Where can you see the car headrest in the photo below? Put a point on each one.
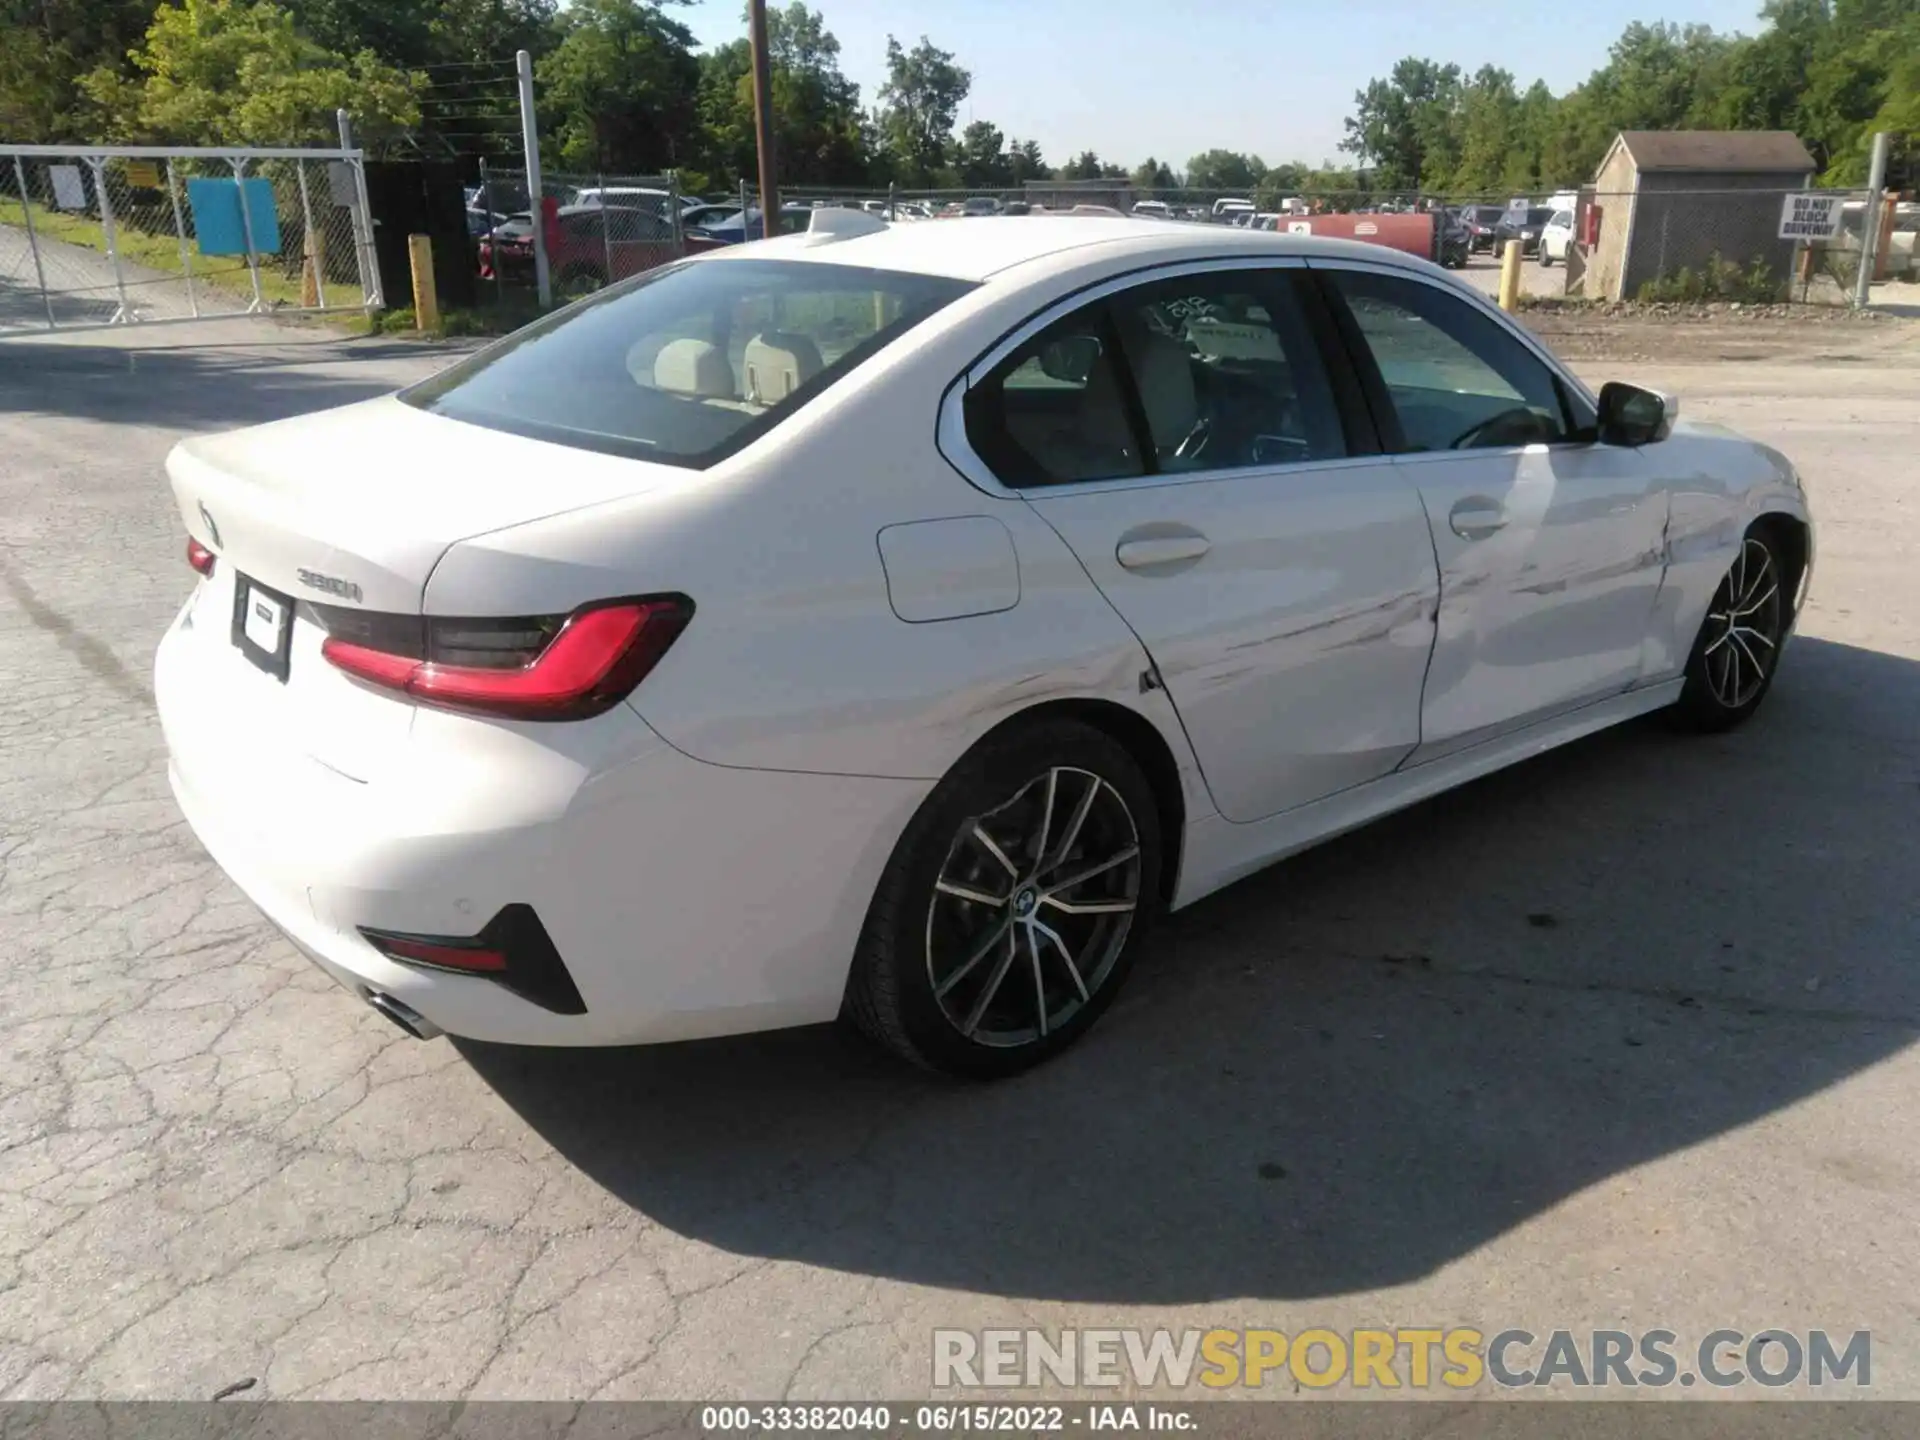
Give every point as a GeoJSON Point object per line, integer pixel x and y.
{"type": "Point", "coordinates": [1164, 372]}
{"type": "Point", "coordinates": [693, 367]}
{"type": "Point", "coordinates": [779, 363]}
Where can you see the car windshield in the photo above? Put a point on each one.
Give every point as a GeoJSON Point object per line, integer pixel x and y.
{"type": "Point", "coordinates": [1538, 216]}
{"type": "Point", "coordinates": [688, 363]}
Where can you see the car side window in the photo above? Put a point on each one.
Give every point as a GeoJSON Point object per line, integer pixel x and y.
{"type": "Point", "coordinates": [1227, 373]}
{"type": "Point", "coordinates": [1051, 413]}
{"type": "Point", "coordinates": [1213, 371]}
{"type": "Point", "coordinates": [1456, 379]}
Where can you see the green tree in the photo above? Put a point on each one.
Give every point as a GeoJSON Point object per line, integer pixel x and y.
{"type": "Point", "coordinates": [1490, 124]}
{"type": "Point", "coordinates": [1404, 125]}
{"type": "Point", "coordinates": [1153, 177]}
{"type": "Point", "coordinates": [48, 46]}
{"type": "Point", "coordinates": [239, 71]}
{"type": "Point", "coordinates": [620, 89]}
{"type": "Point", "coordinates": [819, 136]}
{"type": "Point", "coordinates": [918, 104]}
{"type": "Point", "coordinates": [1084, 166]}
{"type": "Point", "coordinates": [1224, 170]}
{"type": "Point", "coordinates": [981, 157]}
{"type": "Point", "coordinates": [1025, 161]}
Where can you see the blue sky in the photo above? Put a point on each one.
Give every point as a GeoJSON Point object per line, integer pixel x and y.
{"type": "Point", "coordinates": [1129, 78]}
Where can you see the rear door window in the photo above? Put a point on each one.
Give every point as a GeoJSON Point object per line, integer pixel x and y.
{"type": "Point", "coordinates": [686, 364]}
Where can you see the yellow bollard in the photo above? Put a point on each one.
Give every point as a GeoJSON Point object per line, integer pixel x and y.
{"type": "Point", "coordinates": [1510, 276]}
{"type": "Point", "coordinates": [426, 300]}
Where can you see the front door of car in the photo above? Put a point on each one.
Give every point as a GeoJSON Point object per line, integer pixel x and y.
{"type": "Point", "coordinates": [1184, 437]}
{"type": "Point", "coordinates": [1551, 547]}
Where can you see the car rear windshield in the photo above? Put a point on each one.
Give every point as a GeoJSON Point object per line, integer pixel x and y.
{"type": "Point", "coordinates": [688, 363]}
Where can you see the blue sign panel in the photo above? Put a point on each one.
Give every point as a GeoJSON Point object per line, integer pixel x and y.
{"type": "Point", "coordinates": [216, 216]}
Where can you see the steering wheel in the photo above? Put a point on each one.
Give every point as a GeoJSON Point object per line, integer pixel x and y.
{"type": "Point", "coordinates": [1520, 420]}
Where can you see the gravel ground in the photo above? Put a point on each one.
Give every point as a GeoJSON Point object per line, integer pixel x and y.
{"type": "Point", "coordinates": [1621, 1038]}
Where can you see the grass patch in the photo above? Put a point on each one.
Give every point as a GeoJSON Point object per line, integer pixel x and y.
{"type": "Point", "coordinates": [1718, 279]}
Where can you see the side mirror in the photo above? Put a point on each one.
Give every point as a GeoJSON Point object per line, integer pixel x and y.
{"type": "Point", "coordinates": [1630, 415]}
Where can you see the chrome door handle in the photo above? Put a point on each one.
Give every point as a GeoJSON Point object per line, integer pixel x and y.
{"type": "Point", "coordinates": [1477, 518]}
{"type": "Point", "coordinates": [1161, 550]}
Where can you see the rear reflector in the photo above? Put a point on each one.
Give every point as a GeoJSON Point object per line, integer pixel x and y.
{"type": "Point", "coordinates": [199, 556]}
{"type": "Point", "coordinates": [514, 951]}
{"type": "Point", "coordinates": [441, 954]}
{"type": "Point", "coordinates": [538, 669]}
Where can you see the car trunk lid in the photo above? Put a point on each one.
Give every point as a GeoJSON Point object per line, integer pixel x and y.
{"type": "Point", "coordinates": [351, 509]}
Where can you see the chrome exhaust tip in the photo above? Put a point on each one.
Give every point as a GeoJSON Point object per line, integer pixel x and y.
{"type": "Point", "coordinates": [404, 1015]}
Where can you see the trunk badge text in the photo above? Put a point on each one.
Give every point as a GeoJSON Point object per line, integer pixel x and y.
{"type": "Point", "coordinates": [331, 584]}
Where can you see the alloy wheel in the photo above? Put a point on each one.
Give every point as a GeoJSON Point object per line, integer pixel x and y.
{"type": "Point", "coordinates": [1032, 908]}
{"type": "Point", "coordinates": [1742, 638]}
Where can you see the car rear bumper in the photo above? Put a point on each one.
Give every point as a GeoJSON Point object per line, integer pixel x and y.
{"type": "Point", "coordinates": [684, 899]}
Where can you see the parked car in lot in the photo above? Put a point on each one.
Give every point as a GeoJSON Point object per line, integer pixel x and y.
{"type": "Point", "coordinates": [890, 622]}
{"type": "Point", "coordinates": [732, 229]}
{"type": "Point", "coordinates": [1522, 225]}
{"type": "Point", "coordinates": [1482, 223]}
{"type": "Point", "coordinates": [631, 197]}
{"type": "Point", "coordinates": [480, 220]}
{"type": "Point", "coordinates": [588, 246]}
{"type": "Point", "coordinates": [707, 213]}
{"type": "Point", "coordinates": [1556, 237]}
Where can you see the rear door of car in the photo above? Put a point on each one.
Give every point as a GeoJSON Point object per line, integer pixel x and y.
{"type": "Point", "coordinates": [1221, 485]}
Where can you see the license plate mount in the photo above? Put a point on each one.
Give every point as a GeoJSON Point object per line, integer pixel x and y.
{"type": "Point", "coordinates": [263, 625]}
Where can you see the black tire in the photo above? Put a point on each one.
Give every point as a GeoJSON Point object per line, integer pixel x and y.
{"type": "Point", "coordinates": [913, 928]}
{"type": "Point", "coordinates": [1546, 260]}
{"type": "Point", "coordinates": [1732, 665]}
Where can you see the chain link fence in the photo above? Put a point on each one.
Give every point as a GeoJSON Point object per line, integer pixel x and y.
{"type": "Point", "coordinates": [1664, 241]}
{"type": "Point", "coordinates": [133, 235]}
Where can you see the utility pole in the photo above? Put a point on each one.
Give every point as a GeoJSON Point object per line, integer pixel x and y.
{"type": "Point", "coordinates": [763, 118]}
{"type": "Point", "coordinates": [530, 142]}
{"type": "Point", "coordinates": [1870, 221]}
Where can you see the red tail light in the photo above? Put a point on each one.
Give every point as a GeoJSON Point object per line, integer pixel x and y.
{"type": "Point", "coordinates": [199, 556]}
{"type": "Point", "coordinates": [542, 669]}
{"type": "Point", "coordinates": [441, 955]}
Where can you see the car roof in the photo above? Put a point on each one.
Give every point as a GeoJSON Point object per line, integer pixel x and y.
{"type": "Point", "coordinates": [978, 249]}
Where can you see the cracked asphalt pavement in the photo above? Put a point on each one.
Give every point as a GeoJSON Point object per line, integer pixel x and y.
{"type": "Point", "coordinates": [1621, 1038]}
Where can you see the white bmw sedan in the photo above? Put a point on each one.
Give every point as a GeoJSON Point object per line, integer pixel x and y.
{"type": "Point", "coordinates": [888, 622]}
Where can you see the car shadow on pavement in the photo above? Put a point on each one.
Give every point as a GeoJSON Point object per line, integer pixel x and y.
{"type": "Point", "coordinates": [259, 375]}
{"type": "Point", "coordinates": [1358, 1066]}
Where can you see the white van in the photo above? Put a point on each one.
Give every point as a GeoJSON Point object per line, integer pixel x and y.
{"type": "Point", "coordinates": [1232, 210]}
{"type": "Point", "coordinates": [1152, 210]}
